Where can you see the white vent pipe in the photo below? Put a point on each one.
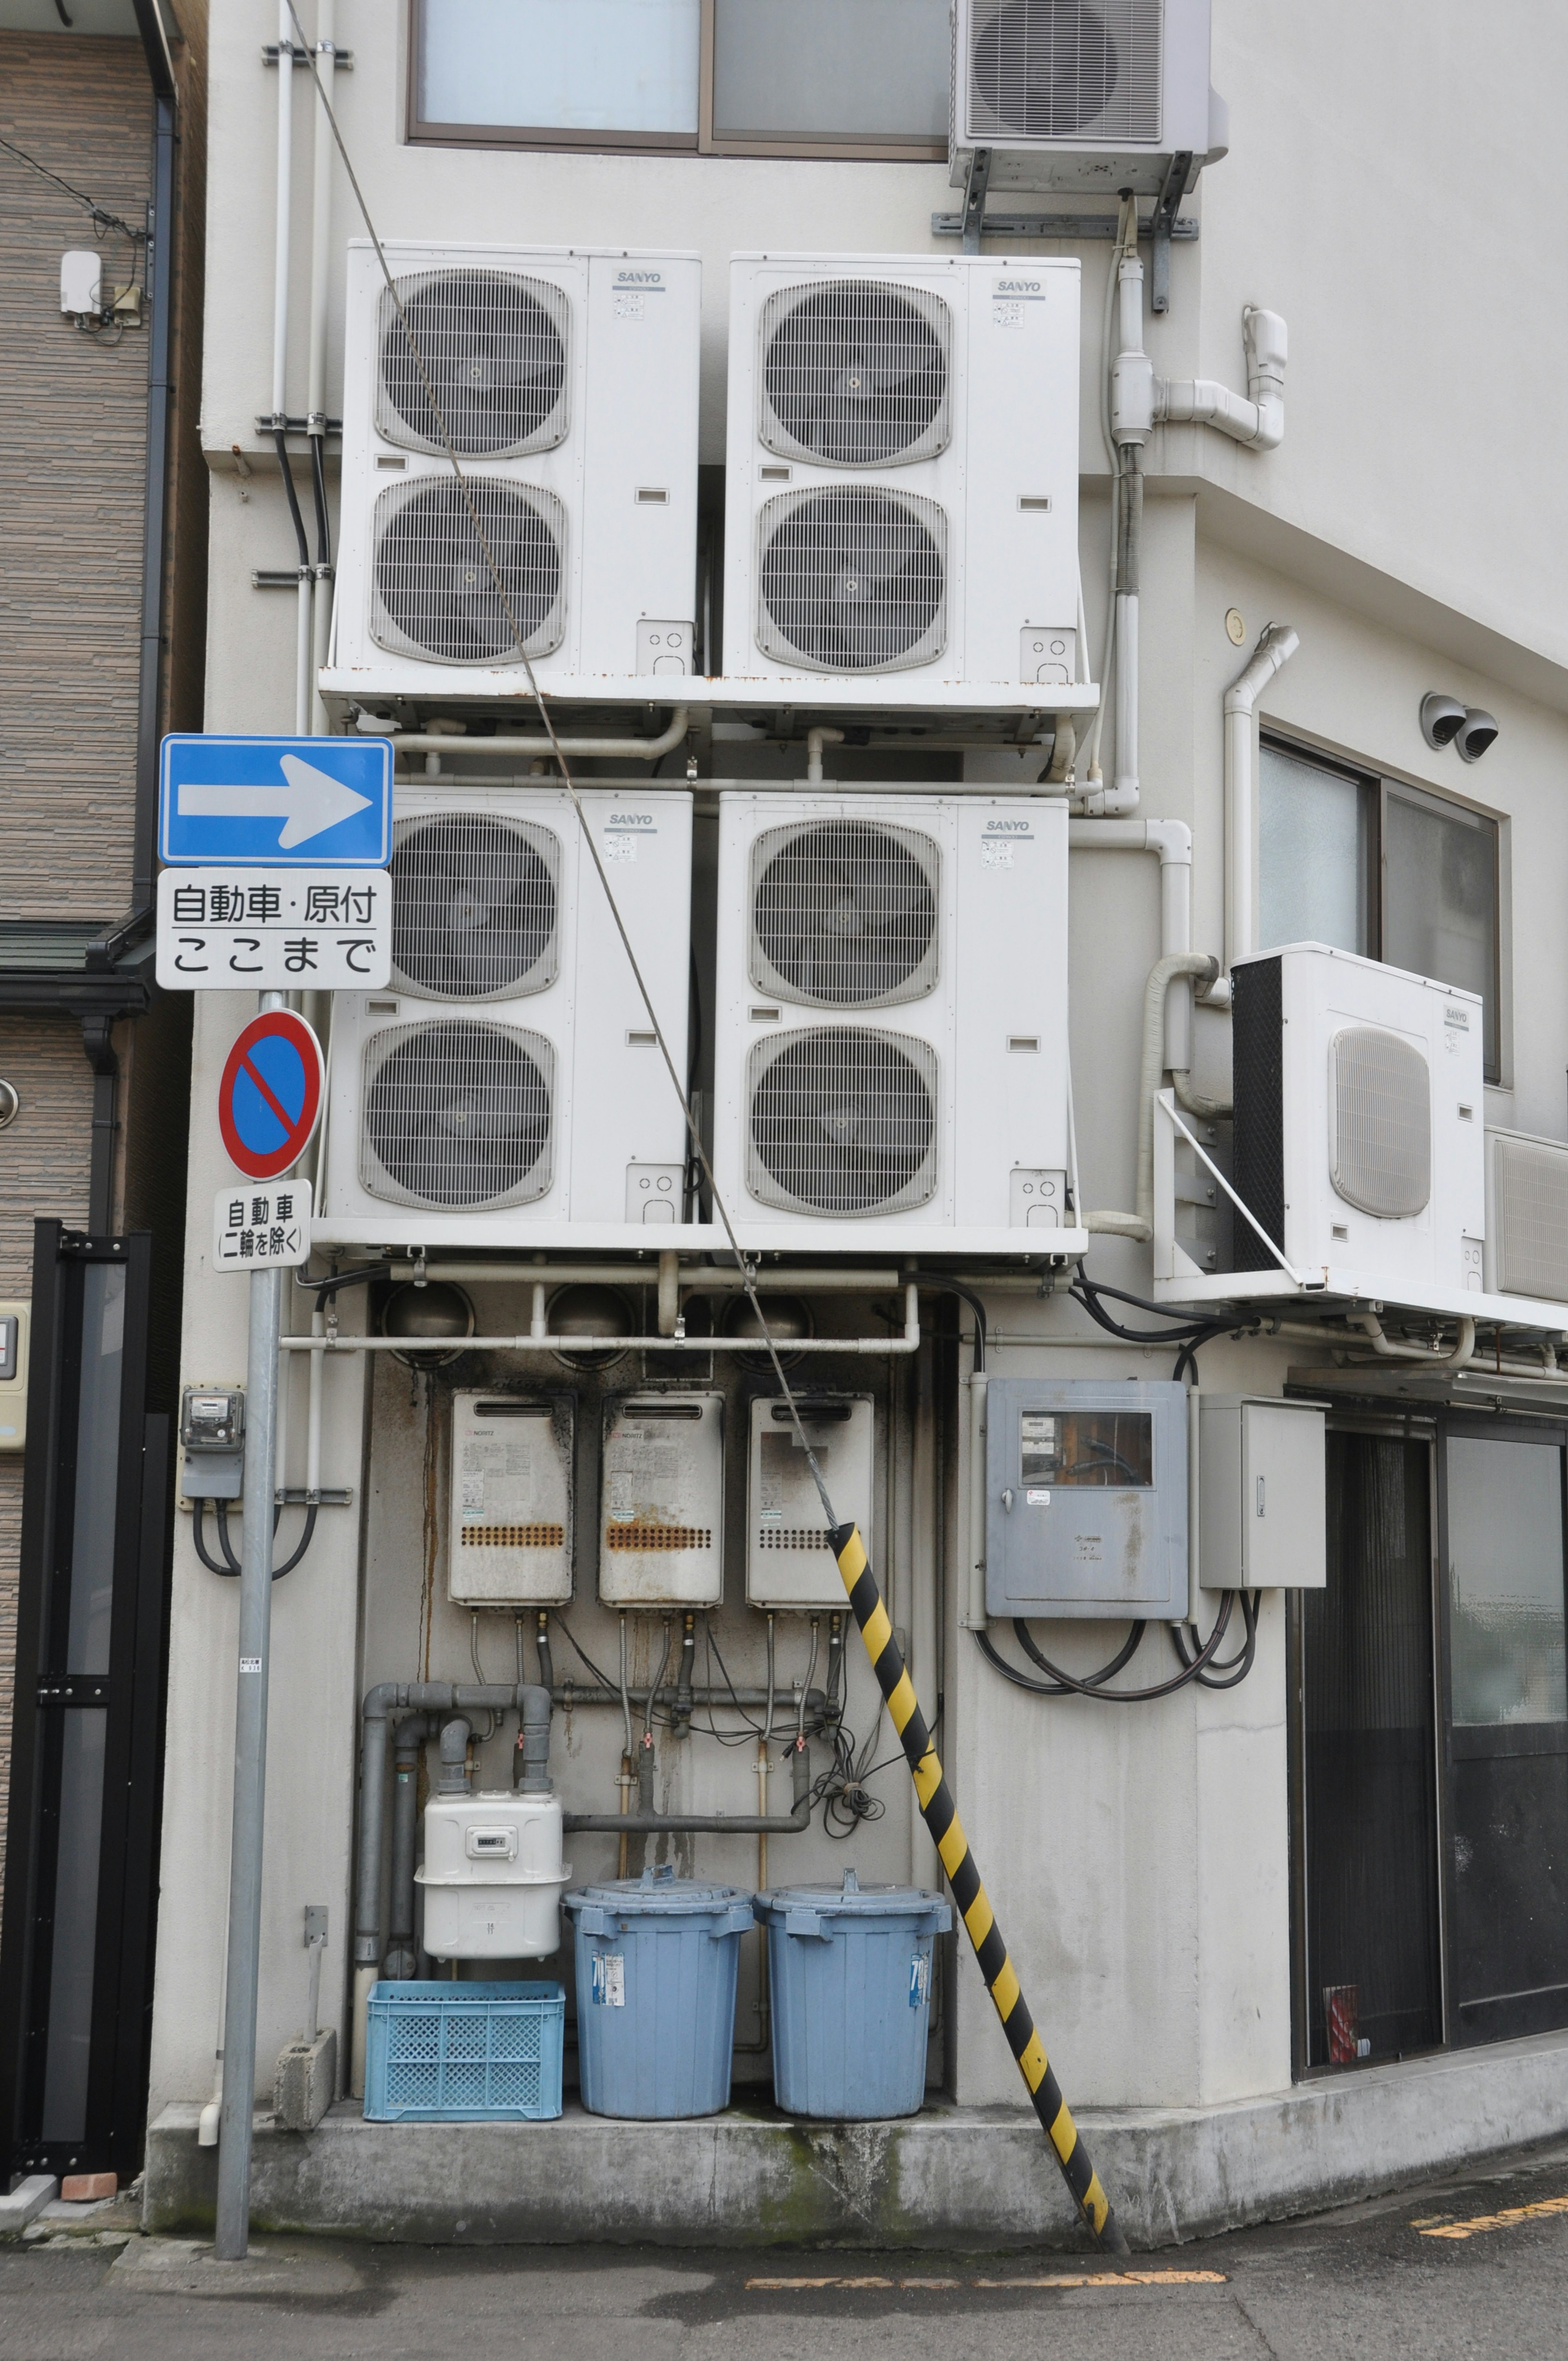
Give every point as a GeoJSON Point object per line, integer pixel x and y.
{"type": "Point", "coordinates": [283, 224]}
{"type": "Point", "coordinates": [1257, 423]}
{"type": "Point", "coordinates": [1275, 649]}
{"type": "Point", "coordinates": [315, 396]}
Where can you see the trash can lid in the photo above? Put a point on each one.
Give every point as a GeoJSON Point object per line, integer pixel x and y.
{"type": "Point", "coordinates": [658, 1890]}
{"type": "Point", "coordinates": [854, 1900]}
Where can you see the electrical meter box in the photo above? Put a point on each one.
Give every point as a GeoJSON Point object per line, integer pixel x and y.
{"type": "Point", "coordinates": [15, 1319]}
{"type": "Point", "coordinates": [1262, 1493]}
{"type": "Point", "coordinates": [662, 1493]}
{"type": "Point", "coordinates": [789, 1563]}
{"type": "Point", "coordinates": [511, 1500]}
{"type": "Point", "coordinates": [1086, 1498]}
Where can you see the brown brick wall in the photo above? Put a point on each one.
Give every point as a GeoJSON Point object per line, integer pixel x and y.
{"type": "Point", "coordinates": [72, 463]}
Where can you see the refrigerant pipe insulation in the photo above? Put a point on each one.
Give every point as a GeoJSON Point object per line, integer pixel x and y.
{"type": "Point", "coordinates": [941, 1816]}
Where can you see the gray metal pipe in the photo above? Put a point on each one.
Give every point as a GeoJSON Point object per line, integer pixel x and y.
{"type": "Point", "coordinates": [401, 1960]}
{"type": "Point", "coordinates": [453, 1775]}
{"type": "Point", "coordinates": [535, 1743]}
{"type": "Point", "coordinates": [718, 1824]}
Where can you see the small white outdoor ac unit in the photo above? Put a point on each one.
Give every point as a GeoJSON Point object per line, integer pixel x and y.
{"type": "Point", "coordinates": [566, 381]}
{"type": "Point", "coordinates": [1359, 1124]}
{"type": "Point", "coordinates": [902, 494]}
{"type": "Point", "coordinates": [508, 1081]}
{"type": "Point", "coordinates": [891, 1052]}
{"type": "Point", "coordinates": [1084, 94]}
{"type": "Point", "coordinates": [1527, 1216]}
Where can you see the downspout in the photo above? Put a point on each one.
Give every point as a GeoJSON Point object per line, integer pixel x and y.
{"type": "Point", "coordinates": [282, 234]}
{"type": "Point", "coordinates": [159, 406]}
{"type": "Point", "coordinates": [98, 1041]}
{"type": "Point", "coordinates": [1275, 649]}
{"type": "Point", "coordinates": [315, 399]}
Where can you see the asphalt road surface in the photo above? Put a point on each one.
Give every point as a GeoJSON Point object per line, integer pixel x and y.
{"type": "Point", "coordinates": [1474, 2266]}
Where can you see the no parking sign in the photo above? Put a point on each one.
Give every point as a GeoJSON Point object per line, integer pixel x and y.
{"type": "Point", "coordinates": [269, 1099]}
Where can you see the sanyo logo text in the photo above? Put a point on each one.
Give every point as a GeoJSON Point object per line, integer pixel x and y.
{"type": "Point", "coordinates": [639, 278]}
{"type": "Point", "coordinates": [1018, 287]}
{"type": "Point", "coordinates": [1007, 828]}
{"type": "Point", "coordinates": [632, 820]}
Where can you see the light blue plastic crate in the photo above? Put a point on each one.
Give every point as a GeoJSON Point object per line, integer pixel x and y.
{"type": "Point", "coordinates": [445, 2053]}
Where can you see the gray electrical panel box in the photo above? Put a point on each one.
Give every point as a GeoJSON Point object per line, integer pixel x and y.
{"type": "Point", "coordinates": [1086, 1498]}
{"type": "Point", "coordinates": [1262, 1493]}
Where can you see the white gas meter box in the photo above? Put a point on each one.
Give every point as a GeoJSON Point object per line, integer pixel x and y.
{"type": "Point", "coordinates": [1360, 1123]}
{"type": "Point", "coordinates": [493, 1876]}
{"type": "Point", "coordinates": [1527, 1216]}
{"type": "Point", "coordinates": [511, 1535]}
{"type": "Point", "coordinates": [901, 487]}
{"type": "Point", "coordinates": [1262, 1493]}
{"type": "Point", "coordinates": [790, 1566]}
{"type": "Point", "coordinates": [661, 1504]}
{"type": "Point", "coordinates": [567, 379]}
{"type": "Point", "coordinates": [1069, 95]}
{"type": "Point", "coordinates": [508, 1085]}
{"type": "Point", "coordinates": [1086, 1498]}
{"type": "Point", "coordinates": [890, 1030]}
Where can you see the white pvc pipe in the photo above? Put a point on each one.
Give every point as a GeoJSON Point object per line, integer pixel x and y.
{"type": "Point", "coordinates": [283, 224]}
{"type": "Point", "coordinates": [1125, 791]}
{"type": "Point", "coordinates": [974, 1521]}
{"type": "Point", "coordinates": [314, 1414]}
{"type": "Point", "coordinates": [1257, 423]}
{"type": "Point", "coordinates": [425, 741]}
{"type": "Point", "coordinates": [1275, 649]}
{"type": "Point", "coordinates": [303, 646]}
{"type": "Point", "coordinates": [815, 741]}
{"type": "Point", "coordinates": [320, 223]}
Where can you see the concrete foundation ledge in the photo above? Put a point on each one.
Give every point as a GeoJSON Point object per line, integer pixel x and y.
{"type": "Point", "coordinates": [976, 2177]}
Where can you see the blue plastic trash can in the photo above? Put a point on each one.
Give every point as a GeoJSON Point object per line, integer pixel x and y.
{"type": "Point", "coordinates": [849, 1971]}
{"type": "Point", "coordinates": [656, 1958]}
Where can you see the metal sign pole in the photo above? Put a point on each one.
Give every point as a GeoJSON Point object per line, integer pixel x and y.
{"type": "Point", "coordinates": [249, 1760]}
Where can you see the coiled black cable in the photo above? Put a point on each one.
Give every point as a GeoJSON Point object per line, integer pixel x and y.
{"type": "Point", "coordinates": [1064, 1684]}
{"type": "Point", "coordinates": [231, 1566]}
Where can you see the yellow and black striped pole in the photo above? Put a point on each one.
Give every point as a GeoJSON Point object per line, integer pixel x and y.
{"type": "Point", "coordinates": [941, 1816]}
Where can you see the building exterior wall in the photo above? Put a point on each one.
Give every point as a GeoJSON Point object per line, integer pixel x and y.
{"type": "Point", "coordinates": [1139, 1859]}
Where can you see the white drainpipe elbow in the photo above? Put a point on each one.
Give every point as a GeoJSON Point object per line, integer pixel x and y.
{"type": "Point", "coordinates": [1256, 419]}
{"type": "Point", "coordinates": [1277, 645]}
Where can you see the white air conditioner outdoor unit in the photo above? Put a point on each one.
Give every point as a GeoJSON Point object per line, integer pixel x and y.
{"type": "Point", "coordinates": [1359, 1125]}
{"type": "Point", "coordinates": [508, 1082]}
{"type": "Point", "coordinates": [891, 1052]}
{"type": "Point", "coordinates": [1084, 94]}
{"type": "Point", "coordinates": [566, 382]}
{"type": "Point", "coordinates": [902, 496]}
{"type": "Point", "coordinates": [1527, 1216]}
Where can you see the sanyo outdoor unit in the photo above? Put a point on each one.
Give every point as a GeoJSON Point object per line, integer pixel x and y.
{"type": "Point", "coordinates": [901, 493]}
{"type": "Point", "coordinates": [508, 1081]}
{"type": "Point", "coordinates": [1084, 94]}
{"type": "Point", "coordinates": [1359, 1124]}
{"type": "Point", "coordinates": [891, 1052]}
{"type": "Point", "coordinates": [1527, 1216]}
{"type": "Point", "coordinates": [565, 381]}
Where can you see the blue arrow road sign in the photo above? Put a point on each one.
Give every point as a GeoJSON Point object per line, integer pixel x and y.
{"type": "Point", "coordinates": [323, 801]}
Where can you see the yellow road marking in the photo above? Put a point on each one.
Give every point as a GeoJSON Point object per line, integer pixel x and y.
{"type": "Point", "coordinates": [1503, 2221]}
{"type": "Point", "coordinates": [1055, 2279]}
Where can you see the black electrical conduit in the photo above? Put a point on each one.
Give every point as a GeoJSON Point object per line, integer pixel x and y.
{"type": "Point", "coordinates": [231, 1563]}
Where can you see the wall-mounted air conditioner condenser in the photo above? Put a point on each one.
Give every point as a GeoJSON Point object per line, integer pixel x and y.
{"type": "Point", "coordinates": [1084, 94]}
{"type": "Point", "coordinates": [511, 1534]}
{"type": "Point", "coordinates": [1359, 1123]}
{"type": "Point", "coordinates": [1527, 1216]}
{"type": "Point", "coordinates": [662, 1501]}
{"type": "Point", "coordinates": [891, 1052]}
{"type": "Point", "coordinates": [509, 1075]}
{"type": "Point", "coordinates": [902, 492]}
{"type": "Point", "coordinates": [566, 382]}
{"type": "Point", "coordinates": [790, 1564]}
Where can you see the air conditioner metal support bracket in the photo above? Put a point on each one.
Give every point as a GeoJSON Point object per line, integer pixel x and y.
{"type": "Point", "coordinates": [1164, 221]}
{"type": "Point", "coordinates": [971, 221]}
{"type": "Point", "coordinates": [1183, 227]}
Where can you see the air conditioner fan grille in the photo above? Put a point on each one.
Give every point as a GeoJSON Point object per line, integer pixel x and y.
{"type": "Point", "coordinates": [1531, 1218]}
{"type": "Point", "coordinates": [852, 579]}
{"type": "Point", "coordinates": [494, 347]}
{"type": "Point", "coordinates": [842, 1120]}
{"type": "Point", "coordinates": [1064, 70]}
{"type": "Point", "coordinates": [435, 592]}
{"type": "Point", "coordinates": [1381, 1090]}
{"type": "Point", "coordinates": [457, 1116]}
{"type": "Point", "coordinates": [475, 903]}
{"type": "Point", "coordinates": [855, 372]}
{"type": "Point", "coordinates": [844, 913]}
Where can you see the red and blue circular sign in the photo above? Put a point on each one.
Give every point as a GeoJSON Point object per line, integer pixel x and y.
{"type": "Point", "coordinates": [270, 1095]}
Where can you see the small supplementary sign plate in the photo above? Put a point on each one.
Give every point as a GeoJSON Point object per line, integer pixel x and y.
{"type": "Point", "coordinates": [274, 930]}
{"type": "Point", "coordinates": [262, 1228]}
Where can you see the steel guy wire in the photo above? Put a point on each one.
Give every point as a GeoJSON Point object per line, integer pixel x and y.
{"type": "Point", "coordinates": [745, 1268]}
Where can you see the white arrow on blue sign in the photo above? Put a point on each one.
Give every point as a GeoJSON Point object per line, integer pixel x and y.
{"type": "Point", "coordinates": [248, 801]}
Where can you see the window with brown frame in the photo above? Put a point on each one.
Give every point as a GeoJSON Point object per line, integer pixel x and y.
{"type": "Point", "coordinates": [855, 78]}
{"type": "Point", "coordinates": [1370, 864]}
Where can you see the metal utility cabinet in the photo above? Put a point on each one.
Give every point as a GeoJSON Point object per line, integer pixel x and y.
{"type": "Point", "coordinates": [1262, 1500]}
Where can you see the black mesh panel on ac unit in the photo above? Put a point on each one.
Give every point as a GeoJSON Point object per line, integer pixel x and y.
{"type": "Point", "coordinates": [1065, 70]}
{"type": "Point", "coordinates": [483, 354]}
{"type": "Point", "coordinates": [1258, 1093]}
{"type": "Point", "coordinates": [435, 592]}
{"type": "Point", "coordinates": [844, 912]}
{"type": "Point", "coordinates": [855, 373]}
{"type": "Point", "coordinates": [841, 1121]}
{"type": "Point", "coordinates": [457, 1116]}
{"type": "Point", "coordinates": [852, 580]}
{"type": "Point", "coordinates": [475, 906]}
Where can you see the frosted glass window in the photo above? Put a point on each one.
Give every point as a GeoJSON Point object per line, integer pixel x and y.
{"type": "Point", "coordinates": [71, 1962]}
{"type": "Point", "coordinates": [1312, 855]}
{"type": "Point", "coordinates": [1440, 868]}
{"type": "Point", "coordinates": [611, 66]}
{"type": "Point", "coordinates": [852, 69]}
{"type": "Point", "coordinates": [1504, 1581]}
